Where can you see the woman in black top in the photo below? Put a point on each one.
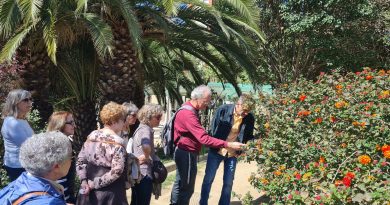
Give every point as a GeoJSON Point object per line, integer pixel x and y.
{"type": "Point", "coordinates": [63, 121]}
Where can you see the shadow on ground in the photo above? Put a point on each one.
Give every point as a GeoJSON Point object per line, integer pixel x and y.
{"type": "Point", "coordinates": [260, 200]}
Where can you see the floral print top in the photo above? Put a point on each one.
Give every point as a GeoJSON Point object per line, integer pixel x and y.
{"type": "Point", "coordinates": [105, 150]}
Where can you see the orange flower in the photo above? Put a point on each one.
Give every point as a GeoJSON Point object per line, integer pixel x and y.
{"type": "Point", "coordinates": [385, 148]}
{"type": "Point", "coordinates": [264, 181]}
{"type": "Point", "coordinates": [350, 175]}
{"type": "Point", "coordinates": [338, 182]}
{"type": "Point", "coordinates": [266, 125]}
{"type": "Point", "coordinates": [343, 145]}
{"type": "Point", "coordinates": [386, 154]}
{"type": "Point", "coordinates": [322, 160]}
{"type": "Point", "coordinates": [340, 104]}
{"type": "Point", "coordinates": [302, 97]}
{"type": "Point", "coordinates": [364, 159]}
{"type": "Point", "coordinates": [303, 113]}
{"type": "Point", "coordinates": [339, 87]}
{"type": "Point", "coordinates": [377, 147]}
{"type": "Point", "coordinates": [382, 72]}
{"type": "Point", "coordinates": [318, 120]}
{"type": "Point", "coordinates": [369, 77]}
{"type": "Point", "coordinates": [318, 109]}
{"type": "Point", "coordinates": [354, 123]}
{"type": "Point", "coordinates": [278, 173]}
{"type": "Point", "coordinates": [332, 119]}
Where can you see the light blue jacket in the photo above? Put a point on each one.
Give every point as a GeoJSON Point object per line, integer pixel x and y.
{"type": "Point", "coordinates": [15, 132]}
{"type": "Point", "coordinates": [26, 183]}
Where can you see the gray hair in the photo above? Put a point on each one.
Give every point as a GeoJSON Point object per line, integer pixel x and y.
{"type": "Point", "coordinates": [148, 111]}
{"type": "Point", "coordinates": [14, 97]}
{"type": "Point", "coordinates": [200, 92]}
{"type": "Point", "coordinates": [130, 108]}
{"type": "Point", "coordinates": [39, 153]}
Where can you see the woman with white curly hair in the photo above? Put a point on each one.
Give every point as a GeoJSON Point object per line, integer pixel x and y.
{"type": "Point", "coordinates": [143, 148]}
{"type": "Point", "coordinates": [46, 158]}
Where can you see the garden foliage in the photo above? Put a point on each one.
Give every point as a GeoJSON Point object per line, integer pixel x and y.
{"type": "Point", "coordinates": [326, 142]}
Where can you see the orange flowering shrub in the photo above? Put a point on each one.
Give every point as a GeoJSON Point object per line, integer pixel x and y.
{"type": "Point", "coordinates": [332, 138]}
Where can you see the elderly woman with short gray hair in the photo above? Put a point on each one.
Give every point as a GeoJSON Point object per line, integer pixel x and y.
{"type": "Point", "coordinates": [46, 158]}
{"type": "Point", "coordinates": [15, 129]}
{"type": "Point", "coordinates": [143, 148]}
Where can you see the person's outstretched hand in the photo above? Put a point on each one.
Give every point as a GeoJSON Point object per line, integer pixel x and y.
{"type": "Point", "coordinates": [235, 145]}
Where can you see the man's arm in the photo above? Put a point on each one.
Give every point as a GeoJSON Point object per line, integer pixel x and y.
{"type": "Point", "coordinates": [193, 125]}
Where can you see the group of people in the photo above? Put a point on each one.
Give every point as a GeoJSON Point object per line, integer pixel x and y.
{"type": "Point", "coordinates": [42, 167]}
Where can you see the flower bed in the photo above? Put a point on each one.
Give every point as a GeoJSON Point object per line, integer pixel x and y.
{"type": "Point", "coordinates": [326, 142]}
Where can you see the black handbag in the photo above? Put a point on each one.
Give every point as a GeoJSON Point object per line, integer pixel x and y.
{"type": "Point", "coordinates": [159, 172]}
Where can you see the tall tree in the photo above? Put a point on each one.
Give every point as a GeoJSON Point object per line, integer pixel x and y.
{"type": "Point", "coordinates": [306, 37]}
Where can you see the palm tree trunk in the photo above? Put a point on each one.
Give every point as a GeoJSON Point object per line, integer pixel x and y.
{"type": "Point", "coordinates": [121, 77]}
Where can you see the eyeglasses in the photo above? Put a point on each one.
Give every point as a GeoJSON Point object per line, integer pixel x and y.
{"type": "Point", "coordinates": [70, 123]}
{"type": "Point", "coordinates": [27, 100]}
{"type": "Point", "coordinates": [133, 115]}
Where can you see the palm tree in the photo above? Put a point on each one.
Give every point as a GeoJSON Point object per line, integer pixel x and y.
{"type": "Point", "coordinates": [160, 40]}
{"type": "Point", "coordinates": [35, 31]}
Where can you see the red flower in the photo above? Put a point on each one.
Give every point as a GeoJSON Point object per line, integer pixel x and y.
{"type": "Point", "coordinates": [369, 77]}
{"type": "Point", "coordinates": [302, 97]}
{"type": "Point", "coordinates": [347, 181]}
{"type": "Point", "coordinates": [318, 197]}
{"type": "Point", "coordinates": [298, 176]}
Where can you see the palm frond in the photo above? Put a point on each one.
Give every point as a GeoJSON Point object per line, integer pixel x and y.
{"type": "Point", "coordinates": [169, 7]}
{"type": "Point", "coordinates": [101, 34]}
{"type": "Point", "coordinates": [9, 17]}
{"type": "Point", "coordinates": [255, 30]}
{"type": "Point", "coordinates": [30, 9]}
{"type": "Point", "coordinates": [82, 6]}
{"type": "Point", "coordinates": [49, 35]}
{"type": "Point", "coordinates": [12, 45]}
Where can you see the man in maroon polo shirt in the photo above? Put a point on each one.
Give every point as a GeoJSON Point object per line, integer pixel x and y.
{"type": "Point", "coordinates": [191, 136]}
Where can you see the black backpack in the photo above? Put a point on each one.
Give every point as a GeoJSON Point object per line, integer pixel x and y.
{"type": "Point", "coordinates": [167, 139]}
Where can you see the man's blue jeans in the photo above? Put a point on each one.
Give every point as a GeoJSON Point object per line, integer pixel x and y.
{"type": "Point", "coordinates": [213, 161]}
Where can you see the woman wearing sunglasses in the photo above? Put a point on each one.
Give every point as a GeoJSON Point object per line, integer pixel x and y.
{"type": "Point", "coordinates": [63, 121]}
{"type": "Point", "coordinates": [15, 129]}
{"type": "Point", "coordinates": [143, 148]}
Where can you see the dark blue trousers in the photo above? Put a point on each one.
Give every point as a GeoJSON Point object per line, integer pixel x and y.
{"type": "Point", "coordinates": [186, 169]}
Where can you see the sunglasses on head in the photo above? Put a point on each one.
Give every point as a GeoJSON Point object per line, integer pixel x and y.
{"type": "Point", "coordinates": [27, 100]}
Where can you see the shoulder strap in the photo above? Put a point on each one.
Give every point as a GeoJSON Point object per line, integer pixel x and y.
{"type": "Point", "coordinates": [29, 195]}
{"type": "Point", "coordinates": [184, 107]}
{"type": "Point", "coordinates": [135, 132]}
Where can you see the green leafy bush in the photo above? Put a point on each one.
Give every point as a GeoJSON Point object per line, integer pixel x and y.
{"type": "Point", "coordinates": [326, 142]}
